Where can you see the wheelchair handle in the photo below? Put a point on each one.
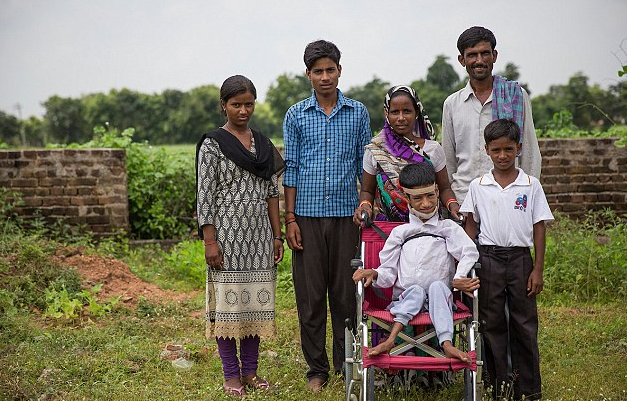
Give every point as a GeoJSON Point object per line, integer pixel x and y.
{"type": "Point", "coordinates": [365, 217]}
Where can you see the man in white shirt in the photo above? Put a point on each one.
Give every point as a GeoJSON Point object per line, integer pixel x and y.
{"type": "Point", "coordinates": [468, 111]}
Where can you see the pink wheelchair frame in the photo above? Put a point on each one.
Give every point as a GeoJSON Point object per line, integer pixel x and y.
{"type": "Point", "coordinates": [360, 369]}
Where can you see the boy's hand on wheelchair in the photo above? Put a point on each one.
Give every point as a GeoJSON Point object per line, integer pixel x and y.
{"type": "Point", "coordinates": [535, 283]}
{"type": "Point", "coordinates": [367, 275]}
{"type": "Point", "coordinates": [466, 285]}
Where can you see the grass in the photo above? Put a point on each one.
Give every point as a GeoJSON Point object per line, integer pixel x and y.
{"type": "Point", "coordinates": [190, 149]}
{"type": "Point", "coordinates": [583, 342]}
{"type": "Point", "coordinates": [117, 358]}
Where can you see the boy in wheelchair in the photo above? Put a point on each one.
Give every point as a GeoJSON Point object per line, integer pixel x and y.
{"type": "Point", "coordinates": [418, 259]}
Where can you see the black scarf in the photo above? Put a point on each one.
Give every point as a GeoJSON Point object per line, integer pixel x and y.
{"type": "Point", "coordinates": [264, 164]}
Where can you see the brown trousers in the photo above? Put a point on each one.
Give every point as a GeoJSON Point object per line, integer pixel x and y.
{"type": "Point", "coordinates": [503, 274]}
{"type": "Point", "coordinates": [322, 267]}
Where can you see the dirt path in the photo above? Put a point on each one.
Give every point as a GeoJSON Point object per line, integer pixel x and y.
{"type": "Point", "coordinates": [118, 280]}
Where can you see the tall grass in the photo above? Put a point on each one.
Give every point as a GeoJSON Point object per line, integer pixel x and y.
{"type": "Point", "coordinates": [586, 260]}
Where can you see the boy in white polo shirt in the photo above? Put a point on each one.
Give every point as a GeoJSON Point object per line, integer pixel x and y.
{"type": "Point", "coordinates": [510, 208]}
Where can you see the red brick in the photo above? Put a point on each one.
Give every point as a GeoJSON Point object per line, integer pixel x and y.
{"type": "Point", "coordinates": [97, 220]}
{"type": "Point", "coordinates": [21, 183]}
{"type": "Point", "coordinates": [86, 181]}
{"type": "Point", "coordinates": [84, 200]}
{"type": "Point", "coordinates": [64, 211]}
{"type": "Point", "coordinates": [85, 191]}
{"type": "Point", "coordinates": [98, 210]}
{"type": "Point", "coordinates": [56, 201]}
{"type": "Point", "coordinates": [29, 201]}
{"type": "Point", "coordinates": [52, 182]}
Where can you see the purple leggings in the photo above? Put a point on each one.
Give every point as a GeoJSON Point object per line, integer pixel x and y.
{"type": "Point", "coordinates": [249, 355]}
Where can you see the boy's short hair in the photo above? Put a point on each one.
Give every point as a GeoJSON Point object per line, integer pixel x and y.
{"type": "Point", "coordinates": [320, 49]}
{"type": "Point", "coordinates": [472, 36]}
{"type": "Point", "coordinates": [417, 175]}
{"type": "Point", "coordinates": [500, 128]}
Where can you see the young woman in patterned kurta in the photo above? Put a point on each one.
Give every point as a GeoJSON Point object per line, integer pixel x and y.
{"type": "Point", "coordinates": [238, 213]}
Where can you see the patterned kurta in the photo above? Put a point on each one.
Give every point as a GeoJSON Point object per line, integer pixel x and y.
{"type": "Point", "coordinates": [240, 298]}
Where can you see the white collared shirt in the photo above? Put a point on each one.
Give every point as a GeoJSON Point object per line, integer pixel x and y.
{"type": "Point", "coordinates": [463, 120]}
{"type": "Point", "coordinates": [423, 260]}
{"type": "Point", "coordinates": [507, 215]}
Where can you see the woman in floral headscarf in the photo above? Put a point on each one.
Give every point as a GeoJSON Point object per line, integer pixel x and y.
{"type": "Point", "coordinates": [405, 138]}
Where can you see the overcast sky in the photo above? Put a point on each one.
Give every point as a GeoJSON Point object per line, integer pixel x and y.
{"type": "Point", "coordinates": [75, 47]}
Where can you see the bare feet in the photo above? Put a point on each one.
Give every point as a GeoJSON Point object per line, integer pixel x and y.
{"type": "Point", "coordinates": [382, 348]}
{"type": "Point", "coordinates": [451, 352]}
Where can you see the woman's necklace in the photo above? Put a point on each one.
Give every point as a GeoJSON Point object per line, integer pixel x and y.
{"type": "Point", "coordinates": [245, 138]}
{"type": "Point", "coordinates": [238, 133]}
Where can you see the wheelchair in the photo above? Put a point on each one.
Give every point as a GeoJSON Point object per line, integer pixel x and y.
{"type": "Point", "coordinates": [364, 375]}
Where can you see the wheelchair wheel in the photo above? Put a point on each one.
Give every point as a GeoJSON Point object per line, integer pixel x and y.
{"type": "Point", "coordinates": [348, 367]}
{"type": "Point", "coordinates": [369, 385]}
{"type": "Point", "coordinates": [469, 394]}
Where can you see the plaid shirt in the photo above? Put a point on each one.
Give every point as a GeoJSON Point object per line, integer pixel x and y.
{"type": "Point", "coordinates": [323, 155]}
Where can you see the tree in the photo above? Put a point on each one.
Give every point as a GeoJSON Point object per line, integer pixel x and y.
{"type": "Point", "coordinates": [64, 120]}
{"type": "Point", "coordinates": [372, 95]}
{"type": "Point", "coordinates": [288, 90]}
{"type": "Point", "coordinates": [198, 113]}
{"type": "Point", "coordinates": [591, 106]}
{"type": "Point", "coordinates": [9, 129]}
{"type": "Point", "coordinates": [442, 75]}
{"type": "Point", "coordinates": [265, 120]}
{"type": "Point", "coordinates": [441, 81]}
{"type": "Point", "coordinates": [511, 72]}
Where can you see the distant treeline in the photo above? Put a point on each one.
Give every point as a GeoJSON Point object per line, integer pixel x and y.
{"type": "Point", "coordinates": [175, 116]}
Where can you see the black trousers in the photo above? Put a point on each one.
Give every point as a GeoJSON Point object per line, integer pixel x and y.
{"type": "Point", "coordinates": [322, 267]}
{"type": "Point", "coordinates": [503, 274]}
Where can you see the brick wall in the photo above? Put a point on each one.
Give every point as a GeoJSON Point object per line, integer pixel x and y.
{"type": "Point", "coordinates": [83, 186]}
{"type": "Point", "coordinates": [88, 186]}
{"type": "Point", "coordinates": [583, 174]}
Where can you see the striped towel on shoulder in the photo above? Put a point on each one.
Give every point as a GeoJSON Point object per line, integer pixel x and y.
{"type": "Point", "coordinates": [507, 101]}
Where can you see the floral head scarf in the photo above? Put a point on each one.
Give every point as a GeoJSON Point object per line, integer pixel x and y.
{"type": "Point", "coordinates": [424, 128]}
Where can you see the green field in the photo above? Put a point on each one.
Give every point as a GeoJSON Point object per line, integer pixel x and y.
{"type": "Point", "coordinates": [112, 351]}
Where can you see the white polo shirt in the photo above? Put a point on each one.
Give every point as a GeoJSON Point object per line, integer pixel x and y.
{"type": "Point", "coordinates": [507, 215]}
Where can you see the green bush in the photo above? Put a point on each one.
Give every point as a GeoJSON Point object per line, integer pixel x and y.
{"type": "Point", "coordinates": [585, 260]}
{"type": "Point", "coordinates": [161, 185]}
{"type": "Point", "coordinates": [562, 126]}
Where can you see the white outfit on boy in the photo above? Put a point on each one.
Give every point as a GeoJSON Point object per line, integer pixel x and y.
{"type": "Point", "coordinates": [505, 227]}
{"type": "Point", "coordinates": [422, 269]}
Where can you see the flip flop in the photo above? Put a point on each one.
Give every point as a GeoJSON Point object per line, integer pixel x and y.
{"type": "Point", "coordinates": [257, 383]}
{"type": "Point", "coordinates": [235, 392]}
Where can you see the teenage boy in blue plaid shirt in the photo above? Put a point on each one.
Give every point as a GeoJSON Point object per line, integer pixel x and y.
{"type": "Point", "coordinates": [324, 137]}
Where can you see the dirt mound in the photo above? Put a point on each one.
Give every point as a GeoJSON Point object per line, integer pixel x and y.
{"type": "Point", "coordinates": [118, 280]}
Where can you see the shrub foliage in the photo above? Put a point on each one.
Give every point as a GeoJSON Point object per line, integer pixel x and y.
{"type": "Point", "coordinates": [161, 185]}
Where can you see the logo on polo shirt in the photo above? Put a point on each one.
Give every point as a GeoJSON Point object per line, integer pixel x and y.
{"type": "Point", "coordinates": [521, 202]}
